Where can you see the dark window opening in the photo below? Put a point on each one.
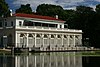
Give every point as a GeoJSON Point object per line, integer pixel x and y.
{"type": "Point", "coordinates": [0, 24]}
{"type": "Point", "coordinates": [12, 23]}
{"type": "Point", "coordinates": [45, 25]}
{"type": "Point", "coordinates": [53, 25]}
{"type": "Point", "coordinates": [20, 23]}
{"type": "Point", "coordinates": [29, 23]}
{"type": "Point", "coordinates": [5, 23]}
{"type": "Point", "coordinates": [65, 26]}
{"type": "Point", "coordinates": [37, 24]}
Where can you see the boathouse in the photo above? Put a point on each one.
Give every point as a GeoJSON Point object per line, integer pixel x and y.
{"type": "Point", "coordinates": [35, 31]}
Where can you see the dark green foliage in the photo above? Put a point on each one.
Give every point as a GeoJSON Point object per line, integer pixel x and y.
{"type": "Point", "coordinates": [98, 8]}
{"type": "Point", "coordinates": [24, 9]}
{"type": "Point", "coordinates": [4, 9]}
{"type": "Point", "coordinates": [50, 10]}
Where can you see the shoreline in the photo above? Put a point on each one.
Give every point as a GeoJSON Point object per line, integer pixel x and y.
{"type": "Point", "coordinates": [27, 50]}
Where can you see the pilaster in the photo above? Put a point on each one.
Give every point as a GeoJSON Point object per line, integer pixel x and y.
{"type": "Point", "coordinates": [68, 40]}
{"type": "Point", "coordinates": [74, 39]}
{"type": "Point", "coordinates": [27, 39]}
{"type": "Point", "coordinates": [35, 39]}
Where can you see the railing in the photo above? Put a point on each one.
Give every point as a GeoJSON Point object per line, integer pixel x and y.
{"type": "Point", "coordinates": [47, 28]}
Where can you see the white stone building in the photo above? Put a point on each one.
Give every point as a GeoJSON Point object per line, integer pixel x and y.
{"type": "Point", "coordinates": [25, 30]}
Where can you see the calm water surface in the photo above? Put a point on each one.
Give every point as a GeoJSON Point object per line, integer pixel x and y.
{"type": "Point", "coordinates": [55, 59]}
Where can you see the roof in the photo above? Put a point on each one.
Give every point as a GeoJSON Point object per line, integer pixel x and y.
{"type": "Point", "coordinates": [37, 16]}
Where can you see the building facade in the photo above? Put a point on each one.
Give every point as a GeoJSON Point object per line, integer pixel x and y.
{"type": "Point", "coordinates": [25, 30]}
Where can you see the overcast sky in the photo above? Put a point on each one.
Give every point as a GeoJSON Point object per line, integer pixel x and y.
{"type": "Point", "coordinates": [66, 4]}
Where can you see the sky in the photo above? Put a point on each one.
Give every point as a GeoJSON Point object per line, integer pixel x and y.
{"type": "Point", "coordinates": [66, 4]}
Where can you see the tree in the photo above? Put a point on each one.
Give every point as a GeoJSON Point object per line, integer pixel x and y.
{"type": "Point", "coordinates": [50, 10]}
{"type": "Point", "coordinates": [86, 18]}
{"type": "Point", "coordinates": [4, 9]}
{"type": "Point", "coordinates": [70, 18]}
{"type": "Point", "coordinates": [98, 8]}
{"type": "Point", "coordinates": [24, 9]}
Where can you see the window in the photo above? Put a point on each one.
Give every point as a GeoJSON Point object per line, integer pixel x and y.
{"type": "Point", "coordinates": [53, 25]}
{"type": "Point", "coordinates": [11, 23]}
{"type": "Point", "coordinates": [20, 23]}
{"type": "Point", "coordinates": [0, 24]}
{"type": "Point", "coordinates": [60, 26]}
{"type": "Point", "coordinates": [5, 23]}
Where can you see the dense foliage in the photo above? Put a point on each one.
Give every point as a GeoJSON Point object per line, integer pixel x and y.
{"type": "Point", "coordinates": [4, 9]}
{"type": "Point", "coordinates": [50, 10]}
{"type": "Point", "coordinates": [24, 9]}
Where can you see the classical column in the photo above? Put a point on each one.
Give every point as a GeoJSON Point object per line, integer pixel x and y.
{"type": "Point", "coordinates": [35, 40]}
{"type": "Point", "coordinates": [68, 40]}
{"type": "Point", "coordinates": [27, 39]}
{"type": "Point", "coordinates": [16, 37]}
{"type": "Point", "coordinates": [55, 40]}
{"type": "Point", "coordinates": [42, 40]}
{"type": "Point", "coordinates": [80, 39]}
{"type": "Point", "coordinates": [74, 39]}
{"type": "Point", "coordinates": [49, 38]}
{"type": "Point", "coordinates": [62, 37]}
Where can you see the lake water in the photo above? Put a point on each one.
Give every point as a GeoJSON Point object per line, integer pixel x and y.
{"type": "Point", "coordinates": [53, 59]}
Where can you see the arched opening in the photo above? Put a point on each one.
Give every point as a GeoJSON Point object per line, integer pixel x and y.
{"type": "Point", "coordinates": [71, 40]}
{"type": "Point", "coordinates": [76, 40]}
{"type": "Point", "coordinates": [38, 40]}
{"type": "Point", "coordinates": [59, 36]}
{"type": "Point", "coordinates": [38, 36]}
{"type": "Point", "coordinates": [52, 41]}
{"type": "Point", "coordinates": [31, 40]}
{"type": "Point", "coordinates": [23, 40]}
{"type": "Point", "coordinates": [52, 36]}
{"type": "Point", "coordinates": [45, 36]}
{"type": "Point", "coordinates": [59, 40]}
{"type": "Point", "coordinates": [45, 40]}
{"type": "Point", "coordinates": [65, 40]}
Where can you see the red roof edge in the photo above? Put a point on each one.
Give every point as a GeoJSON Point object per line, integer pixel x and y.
{"type": "Point", "coordinates": [37, 16]}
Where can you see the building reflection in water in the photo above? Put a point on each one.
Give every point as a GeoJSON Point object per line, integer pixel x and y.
{"type": "Point", "coordinates": [49, 60]}
{"type": "Point", "coordinates": [7, 60]}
